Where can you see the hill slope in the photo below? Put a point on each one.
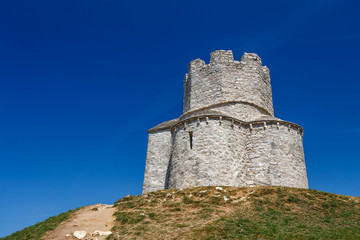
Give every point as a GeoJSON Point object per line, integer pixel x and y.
{"type": "Point", "coordinates": [37, 231]}
{"type": "Point", "coordinates": [95, 221]}
{"type": "Point", "coordinates": [238, 213]}
{"type": "Point", "coordinates": [226, 213]}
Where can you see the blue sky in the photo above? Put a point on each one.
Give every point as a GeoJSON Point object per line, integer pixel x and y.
{"type": "Point", "coordinates": [82, 81]}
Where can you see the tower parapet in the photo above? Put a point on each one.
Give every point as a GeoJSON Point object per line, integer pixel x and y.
{"type": "Point", "coordinates": [225, 80]}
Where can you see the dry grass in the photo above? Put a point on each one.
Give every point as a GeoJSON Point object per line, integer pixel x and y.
{"type": "Point", "coordinates": [237, 213]}
{"type": "Point", "coordinates": [231, 213]}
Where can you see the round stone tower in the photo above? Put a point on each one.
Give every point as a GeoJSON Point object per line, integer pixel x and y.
{"type": "Point", "coordinates": [225, 82]}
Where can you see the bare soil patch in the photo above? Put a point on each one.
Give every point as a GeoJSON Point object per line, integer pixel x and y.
{"type": "Point", "coordinates": [98, 217]}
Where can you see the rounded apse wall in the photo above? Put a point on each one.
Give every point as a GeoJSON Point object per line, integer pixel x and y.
{"type": "Point", "coordinates": [207, 153]}
{"type": "Point", "coordinates": [220, 152]}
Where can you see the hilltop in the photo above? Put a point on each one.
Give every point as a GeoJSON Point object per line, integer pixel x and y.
{"type": "Point", "coordinates": [234, 213]}
{"type": "Point", "coordinates": [238, 213]}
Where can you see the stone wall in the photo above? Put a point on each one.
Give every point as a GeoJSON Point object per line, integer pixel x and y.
{"type": "Point", "coordinates": [157, 160]}
{"type": "Point", "coordinates": [276, 156]}
{"type": "Point", "coordinates": [214, 151]}
{"type": "Point", "coordinates": [215, 158]}
{"type": "Point", "coordinates": [240, 110]}
{"type": "Point", "coordinates": [224, 80]}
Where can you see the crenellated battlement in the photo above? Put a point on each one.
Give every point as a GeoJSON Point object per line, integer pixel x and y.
{"type": "Point", "coordinates": [195, 66]}
{"type": "Point", "coordinates": [225, 80]}
{"type": "Point", "coordinates": [221, 56]}
{"type": "Point", "coordinates": [251, 59]}
{"type": "Point", "coordinates": [226, 57]}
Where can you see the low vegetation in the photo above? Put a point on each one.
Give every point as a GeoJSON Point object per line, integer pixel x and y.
{"type": "Point", "coordinates": [226, 213]}
{"type": "Point", "coordinates": [237, 213]}
{"type": "Point", "coordinates": [37, 231]}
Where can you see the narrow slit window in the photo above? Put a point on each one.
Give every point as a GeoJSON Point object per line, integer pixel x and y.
{"type": "Point", "coordinates": [191, 139]}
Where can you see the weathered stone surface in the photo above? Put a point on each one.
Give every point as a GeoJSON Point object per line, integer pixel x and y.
{"type": "Point", "coordinates": [224, 80]}
{"type": "Point", "coordinates": [157, 160]}
{"type": "Point", "coordinates": [224, 153]}
{"type": "Point", "coordinates": [100, 233]}
{"type": "Point", "coordinates": [238, 110]}
{"type": "Point", "coordinates": [228, 135]}
{"type": "Point", "coordinates": [80, 234]}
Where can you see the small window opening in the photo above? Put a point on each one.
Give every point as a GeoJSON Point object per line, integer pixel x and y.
{"type": "Point", "coordinates": [191, 139]}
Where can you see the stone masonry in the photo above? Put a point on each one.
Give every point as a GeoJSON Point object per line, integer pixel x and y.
{"type": "Point", "coordinates": [227, 135]}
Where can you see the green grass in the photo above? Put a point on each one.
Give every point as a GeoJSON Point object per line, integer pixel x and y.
{"type": "Point", "coordinates": [250, 213]}
{"type": "Point", "coordinates": [38, 230]}
{"type": "Point", "coordinates": [305, 214]}
{"type": "Point", "coordinates": [128, 217]}
{"type": "Point", "coordinates": [269, 213]}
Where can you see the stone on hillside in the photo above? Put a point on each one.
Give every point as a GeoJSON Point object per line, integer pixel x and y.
{"type": "Point", "coordinates": [101, 233]}
{"type": "Point", "coordinates": [80, 234]}
{"type": "Point", "coordinates": [100, 206]}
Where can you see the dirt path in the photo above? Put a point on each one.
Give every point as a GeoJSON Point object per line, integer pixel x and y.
{"type": "Point", "coordinates": [89, 219]}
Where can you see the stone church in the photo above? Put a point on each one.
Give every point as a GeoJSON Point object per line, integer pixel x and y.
{"type": "Point", "coordinates": [227, 134]}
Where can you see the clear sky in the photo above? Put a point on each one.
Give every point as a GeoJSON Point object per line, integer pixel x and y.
{"type": "Point", "coordinates": [82, 81]}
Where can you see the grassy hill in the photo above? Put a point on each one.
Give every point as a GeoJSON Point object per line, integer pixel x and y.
{"type": "Point", "coordinates": [238, 213]}
{"type": "Point", "coordinates": [37, 231]}
{"type": "Point", "coordinates": [227, 213]}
